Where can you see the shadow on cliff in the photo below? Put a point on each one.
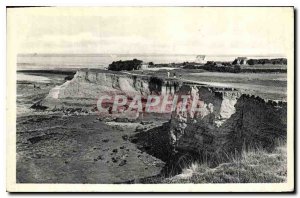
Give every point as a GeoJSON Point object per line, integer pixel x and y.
{"type": "Point", "coordinates": [157, 142]}
{"type": "Point", "coordinates": [255, 124]}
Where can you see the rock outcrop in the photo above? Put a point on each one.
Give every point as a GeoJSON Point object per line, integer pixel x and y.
{"type": "Point", "coordinates": [227, 122]}
{"type": "Point", "coordinates": [88, 85]}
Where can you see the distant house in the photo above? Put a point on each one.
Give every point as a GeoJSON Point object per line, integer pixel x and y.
{"type": "Point", "coordinates": [240, 61]}
{"type": "Point", "coordinates": [144, 66]}
{"type": "Point", "coordinates": [200, 59]}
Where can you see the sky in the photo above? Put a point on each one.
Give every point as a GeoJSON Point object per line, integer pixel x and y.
{"type": "Point", "coordinates": [151, 30]}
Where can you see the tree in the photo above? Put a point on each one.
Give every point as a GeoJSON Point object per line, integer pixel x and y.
{"type": "Point", "coordinates": [251, 62]}
{"type": "Point", "coordinates": [235, 62]}
{"type": "Point", "coordinates": [127, 65]}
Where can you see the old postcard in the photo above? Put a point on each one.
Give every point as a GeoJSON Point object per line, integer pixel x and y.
{"type": "Point", "coordinates": [150, 99]}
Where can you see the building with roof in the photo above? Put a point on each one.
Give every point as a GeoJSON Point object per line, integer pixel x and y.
{"type": "Point", "coordinates": [240, 61]}
{"type": "Point", "coordinates": [144, 66]}
{"type": "Point", "coordinates": [200, 59]}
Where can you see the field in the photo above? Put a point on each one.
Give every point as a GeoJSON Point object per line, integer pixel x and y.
{"type": "Point", "coordinates": [266, 85]}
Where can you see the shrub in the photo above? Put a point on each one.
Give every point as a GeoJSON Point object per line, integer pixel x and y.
{"type": "Point", "coordinates": [213, 66]}
{"type": "Point", "coordinates": [252, 166]}
{"type": "Point", "coordinates": [125, 65]}
{"type": "Point", "coordinates": [190, 66]}
{"type": "Point", "coordinates": [276, 61]}
{"type": "Point", "coordinates": [155, 84]}
{"type": "Point", "coordinates": [235, 62]}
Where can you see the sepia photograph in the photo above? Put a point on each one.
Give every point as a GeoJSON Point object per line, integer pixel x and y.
{"type": "Point", "coordinates": [150, 99]}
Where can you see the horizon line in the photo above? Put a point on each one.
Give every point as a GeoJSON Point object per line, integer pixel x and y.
{"type": "Point", "coordinates": [161, 54]}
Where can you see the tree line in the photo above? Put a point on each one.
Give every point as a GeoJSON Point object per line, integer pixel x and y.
{"type": "Point", "coordinates": [275, 61]}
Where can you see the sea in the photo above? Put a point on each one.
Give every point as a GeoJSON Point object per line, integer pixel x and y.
{"type": "Point", "coordinates": [75, 61]}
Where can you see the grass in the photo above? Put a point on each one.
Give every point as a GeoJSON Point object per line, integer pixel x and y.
{"type": "Point", "coordinates": [265, 66]}
{"type": "Point", "coordinates": [254, 166]}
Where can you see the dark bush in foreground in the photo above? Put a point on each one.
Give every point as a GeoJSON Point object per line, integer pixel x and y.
{"type": "Point", "coordinates": [127, 65]}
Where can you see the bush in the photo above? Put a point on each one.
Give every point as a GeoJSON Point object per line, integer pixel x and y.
{"type": "Point", "coordinates": [276, 61]}
{"type": "Point", "coordinates": [190, 66]}
{"type": "Point", "coordinates": [155, 84]}
{"type": "Point", "coordinates": [252, 166]}
{"type": "Point", "coordinates": [127, 65]}
{"type": "Point", "coordinates": [251, 62]}
{"type": "Point", "coordinates": [213, 66]}
{"type": "Point", "coordinates": [235, 62]}
{"type": "Point", "coordinates": [69, 77]}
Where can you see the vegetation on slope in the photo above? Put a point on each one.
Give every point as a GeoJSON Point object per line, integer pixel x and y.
{"type": "Point", "coordinates": [255, 166]}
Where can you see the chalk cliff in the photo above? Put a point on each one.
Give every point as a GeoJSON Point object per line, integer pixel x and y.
{"type": "Point", "coordinates": [226, 121]}
{"type": "Point", "coordinates": [88, 85]}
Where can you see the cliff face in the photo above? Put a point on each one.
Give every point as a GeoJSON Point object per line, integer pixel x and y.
{"type": "Point", "coordinates": [227, 121]}
{"type": "Point", "coordinates": [87, 86]}
{"type": "Point", "coordinates": [90, 85]}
